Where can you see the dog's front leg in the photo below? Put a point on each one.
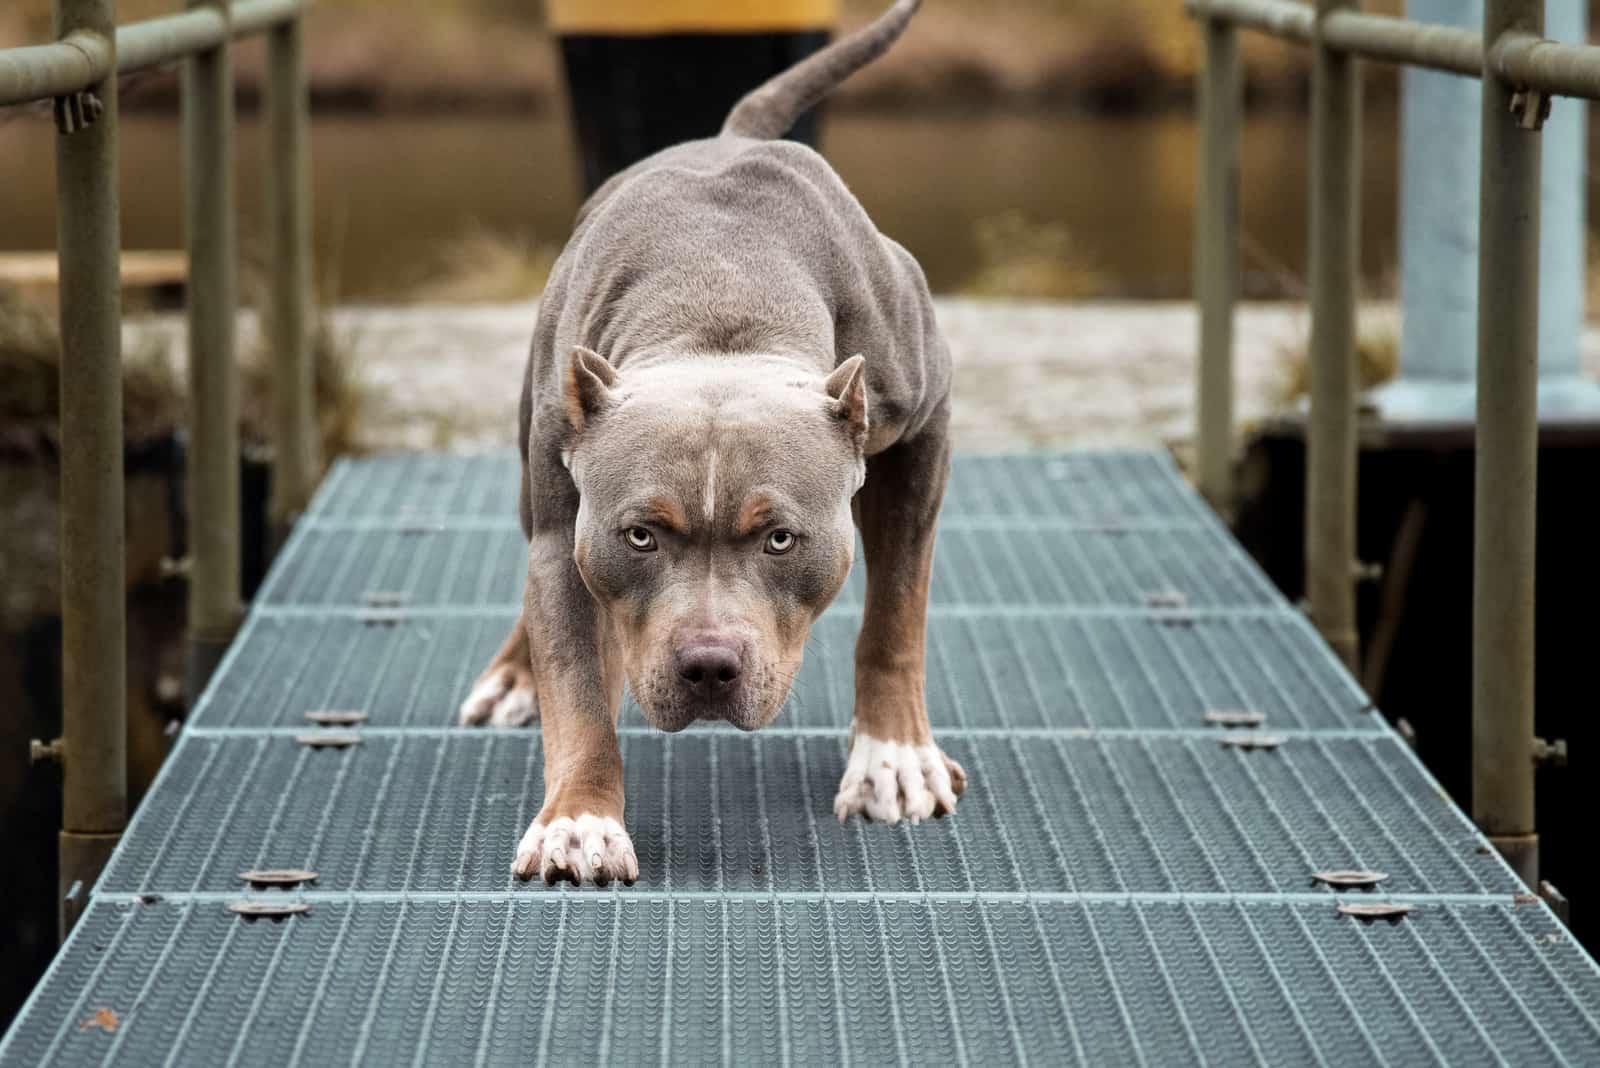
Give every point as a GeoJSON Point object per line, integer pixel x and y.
{"type": "Point", "coordinates": [895, 770]}
{"type": "Point", "coordinates": [504, 695]}
{"type": "Point", "coordinates": [578, 834]}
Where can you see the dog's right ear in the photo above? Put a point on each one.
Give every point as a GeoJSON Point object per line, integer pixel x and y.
{"type": "Point", "coordinates": [847, 386]}
{"type": "Point", "coordinates": [590, 381]}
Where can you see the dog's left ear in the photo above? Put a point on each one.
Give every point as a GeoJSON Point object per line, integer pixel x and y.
{"type": "Point", "coordinates": [847, 386]}
{"type": "Point", "coordinates": [589, 382]}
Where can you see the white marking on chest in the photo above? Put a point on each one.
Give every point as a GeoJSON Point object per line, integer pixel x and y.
{"type": "Point", "coordinates": [709, 502]}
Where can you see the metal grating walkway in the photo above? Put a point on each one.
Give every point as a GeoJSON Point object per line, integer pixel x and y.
{"type": "Point", "coordinates": [1117, 886]}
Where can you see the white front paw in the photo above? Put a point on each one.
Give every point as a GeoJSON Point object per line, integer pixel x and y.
{"type": "Point", "coordinates": [587, 848]}
{"type": "Point", "coordinates": [890, 780]}
{"type": "Point", "coordinates": [502, 698]}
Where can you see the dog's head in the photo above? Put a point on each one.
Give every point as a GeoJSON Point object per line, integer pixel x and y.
{"type": "Point", "coordinates": [714, 520]}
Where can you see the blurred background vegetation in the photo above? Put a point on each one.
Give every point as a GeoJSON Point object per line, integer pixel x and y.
{"type": "Point", "coordinates": [431, 54]}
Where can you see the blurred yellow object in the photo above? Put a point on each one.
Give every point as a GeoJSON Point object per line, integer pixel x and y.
{"type": "Point", "coordinates": [689, 16]}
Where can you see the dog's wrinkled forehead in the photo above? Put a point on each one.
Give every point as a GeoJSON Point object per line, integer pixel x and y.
{"type": "Point", "coordinates": [715, 441]}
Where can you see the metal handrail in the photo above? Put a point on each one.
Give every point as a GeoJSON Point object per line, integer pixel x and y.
{"type": "Point", "coordinates": [1278, 18]}
{"type": "Point", "coordinates": [41, 72]}
{"type": "Point", "coordinates": [1550, 66]}
{"type": "Point", "coordinates": [161, 40]}
{"type": "Point", "coordinates": [79, 73]}
{"type": "Point", "coordinates": [1395, 40]}
{"type": "Point", "coordinates": [1520, 70]}
{"type": "Point", "coordinates": [83, 58]}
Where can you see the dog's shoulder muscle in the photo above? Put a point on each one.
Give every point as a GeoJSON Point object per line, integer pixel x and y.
{"type": "Point", "coordinates": [739, 245]}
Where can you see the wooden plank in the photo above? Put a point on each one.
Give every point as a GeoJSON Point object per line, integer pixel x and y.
{"type": "Point", "coordinates": [141, 269]}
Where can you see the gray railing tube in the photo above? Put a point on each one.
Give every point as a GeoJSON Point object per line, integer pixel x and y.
{"type": "Point", "coordinates": [39, 72]}
{"type": "Point", "coordinates": [93, 610]}
{"type": "Point", "coordinates": [288, 325]}
{"type": "Point", "coordinates": [213, 455]}
{"type": "Point", "coordinates": [1396, 40]}
{"type": "Point", "coordinates": [1507, 460]}
{"type": "Point", "coordinates": [162, 40]}
{"type": "Point", "coordinates": [1331, 436]}
{"type": "Point", "coordinates": [253, 16]}
{"type": "Point", "coordinates": [169, 37]}
{"type": "Point", "coordinates": [1216, 257]}
{"type": "Point", "coordinates": [1289, 19]}
{"type": "Point", "coordinates": [1568, 69]}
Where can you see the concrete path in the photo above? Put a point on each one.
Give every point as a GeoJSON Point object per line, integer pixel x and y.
{"type": "Point", "coordinates": [1027, 373]}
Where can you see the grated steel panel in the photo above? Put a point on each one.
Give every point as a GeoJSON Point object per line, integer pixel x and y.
{"type": "Point", "coordinates": [1115, 887]}
{"type": "Point", "coordinates": [985, 669]}
{"type": "Point", "coordinates": [611, 978]}
{"type": "Point", "coordinates": [974, 565]}
{"type": "Point", "coordinates": [1134, 486]}
{"type": "Point", "coordinates": [1053, 812]}
{"type": "Point", "coordinates": [420, 486]}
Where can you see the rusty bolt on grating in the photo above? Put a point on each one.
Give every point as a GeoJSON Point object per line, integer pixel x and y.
{"type": "Point", "coordinates": [1349, 878]}
{"type": "Point", "coordinates": [329, 739]}
{"type": "Point", "coordinates": [1248, 740]}
{"type": "Point", "coordinates": [286, 877]}
{"type": "Point", "coordinates": [336, 717]}
{"type": "Point", "coordinates": [1377, 910]}
{"type": "Point", "coordinates": [1235, 717]}
{"type": "Point", "coordinates": [383, 617]}
{"type": "Point", "coordinates": [272, 910]}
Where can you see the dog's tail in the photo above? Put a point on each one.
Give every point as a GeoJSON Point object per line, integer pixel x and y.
{"type": "Point", "coordinates": [771, 109]}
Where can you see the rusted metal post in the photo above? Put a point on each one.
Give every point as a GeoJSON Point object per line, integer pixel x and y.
{"type": "Point", "coordinates": [1508, 451]}
{"type": "Point", "coordinates": [294, 455]}
{"type": "Point", "coordinates": [93, 609]}
{"type": "Point", "coordinates": [213, 468]}
{"type": "Point", "coordinates": [1331, 431]}
{"type": "Point", "coordinates": [1216, 257]}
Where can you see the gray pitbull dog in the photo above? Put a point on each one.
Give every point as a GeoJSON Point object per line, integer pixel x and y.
{"type": "Point", "coordinates": [730, 365]}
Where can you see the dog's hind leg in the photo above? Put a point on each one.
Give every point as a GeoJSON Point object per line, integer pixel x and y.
{"type": "Point", "coordinates": [895, 770]}
{"type": "Point", "coordinates": [504, 696]}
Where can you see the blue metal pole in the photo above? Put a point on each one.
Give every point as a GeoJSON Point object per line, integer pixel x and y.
{"type": "Point", "coordinates": [1441, 131]}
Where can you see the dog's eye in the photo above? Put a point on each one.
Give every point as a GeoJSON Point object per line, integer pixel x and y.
{"type": "Point", "coordinates": [780, 542]}
{"type": "Point", "coordinates": [641, 539]}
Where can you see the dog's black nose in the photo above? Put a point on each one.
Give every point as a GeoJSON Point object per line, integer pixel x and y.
{"type": "Point", "coordinates": [710, 669]}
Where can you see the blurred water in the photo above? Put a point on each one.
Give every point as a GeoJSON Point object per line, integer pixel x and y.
{"type": "Point", "coordinates": [391, 190]}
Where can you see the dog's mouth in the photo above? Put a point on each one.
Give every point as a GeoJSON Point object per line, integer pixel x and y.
{"type": "Point", "coordinates": [667, 708]}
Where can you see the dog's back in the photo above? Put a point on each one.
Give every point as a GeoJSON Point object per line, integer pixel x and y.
{"type": "Point", "coordinates": [742, 243]}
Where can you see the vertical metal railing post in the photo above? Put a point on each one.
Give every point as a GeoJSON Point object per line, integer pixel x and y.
{"type": "Point", "coordinates": [289, 326]}
{"type": "Point", "coordinates": [93, 610]}
{"type": "Point", "coordinates": [1507, 452]}
{"type": "Point", "coordinates": [213, 454]}
{"type": "Point", "coordinates": [1331, 429]}
{"type": "Point", "coordinates": [1216, 256]}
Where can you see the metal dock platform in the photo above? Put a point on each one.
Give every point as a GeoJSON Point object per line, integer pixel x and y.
{"type": "Point", "coordinates": [1118, 885]}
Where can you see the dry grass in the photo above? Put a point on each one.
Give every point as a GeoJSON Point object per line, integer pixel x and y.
{"type": "Point", "coordinates": [340, 393]}
{"type": "Point", "coordinates": [1021, 258]}
{"type": "Point", "coordinates": [338, 390]}
{"type": "Point", "coordinates": [485, 265]}
{"type": "Point", "coordinates": [30, 381]}
{"type": "Point", "coordinates": [153, 392]}
{"type": "Point", "coordinates": [1377, 359]}
{"type": "Point", "coordinates": [388, 56]}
